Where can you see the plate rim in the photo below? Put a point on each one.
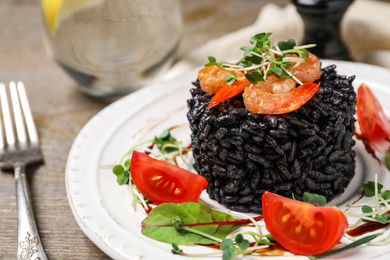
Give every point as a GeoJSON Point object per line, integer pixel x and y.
{"type": "Point", "coordinates": [94, 235]}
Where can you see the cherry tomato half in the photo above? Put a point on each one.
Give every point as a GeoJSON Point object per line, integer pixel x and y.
{"type": "Point", "coordinates": [373, 122]}
{"type": "Point", "coordinates": [163, 182]}
{"type": "Point", "coordinates": [300, 227]}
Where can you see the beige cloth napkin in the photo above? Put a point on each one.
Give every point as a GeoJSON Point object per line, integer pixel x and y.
{"type": "Point", "coordinates": [365, 31]}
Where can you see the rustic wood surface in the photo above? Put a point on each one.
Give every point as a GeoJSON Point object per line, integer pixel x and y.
{"type": "Point", "coordinates": [61, 110]}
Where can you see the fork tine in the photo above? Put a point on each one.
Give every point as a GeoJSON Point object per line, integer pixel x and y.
{"type": "Point", "coordinates": [19, 121]}
{"type": "Point", "coordinates": [8, 128]}
{"type": "Point", "coordinates": [31, 129]}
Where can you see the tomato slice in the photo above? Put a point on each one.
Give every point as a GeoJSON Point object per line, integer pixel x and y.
{"type": "Point", "coordinates": [163, 182]}
{"type": "Point", "coordinates": [300, 227]}
{"type": "Point", "coordinates": [373, 122]}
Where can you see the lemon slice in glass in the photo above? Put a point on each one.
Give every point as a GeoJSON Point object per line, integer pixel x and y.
{"type": "Point", "coordinates": [57, 10]}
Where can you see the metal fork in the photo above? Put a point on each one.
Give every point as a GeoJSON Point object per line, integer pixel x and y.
{"type": "Point", "coordinates": [17, 149]}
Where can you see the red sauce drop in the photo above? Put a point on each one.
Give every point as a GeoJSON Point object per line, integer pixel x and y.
{"type": "Point", "coordinates": [274, 250]}
{"type": "Point", "coordinates": [357, 200]}
{"type": "Point", "coordinates": [148, 209]}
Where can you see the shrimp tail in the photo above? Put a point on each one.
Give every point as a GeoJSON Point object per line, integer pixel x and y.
{"type": "Point", "coordinates": [225, 93]}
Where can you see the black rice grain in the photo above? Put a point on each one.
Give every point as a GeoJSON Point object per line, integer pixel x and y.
{"type": "Point", "coordinates": [243, 154]}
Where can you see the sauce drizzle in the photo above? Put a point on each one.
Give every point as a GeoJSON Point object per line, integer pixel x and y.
{"type": "Point", "coordinates": [367, 227]}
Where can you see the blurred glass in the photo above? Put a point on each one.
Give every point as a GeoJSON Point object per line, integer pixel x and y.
{"type": "Point", "coordinates": [112, 47]}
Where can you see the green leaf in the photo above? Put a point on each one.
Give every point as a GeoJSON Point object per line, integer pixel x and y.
{"type": "Point", "coordinates": [230, 78]}
{"type": "Point", "coordinates": [270, 238]}
{"type": "Point", "coordinates": [367, 209]}
{"type": "Point", "coordinates": [176, 249]}
{"type": "Point", "coordinates": [127, 164]}
{"type": "Point", "coordinates": [122, 174]}
{"type": "Point", "coordinates": [256, 59]}
{"type": "Point", "coordinates": [164, 139]}
{"type": "Point", "coordinates": [165, 135]}
{"type": "Point", "coordinates": [124, 178]}
{"type": "Point", "coordinates": [278, 71]}
{"type": "Point", "coordinates": [386, 195]}
{"type": "Point", "coordinates": [242, 243]}
{"type": "Point", "coordinates": [244, 63]}
{"type": "Point", "coordinates": [212, 61]}
{"type": "Point", "coordinates": [369, 188]}
{"type": "Point", "coordinates": [118, 170]}
{"type": "Point", "coordinates": [228, 249]}
{"type": "Point", "coordinates": [383, 218]}
{"type": "Point", "coordinates": [254, 77]}
{"type": "Point", "coordinates": [314, 199]}
{"type": "Point", "coordinates": [261, 40]}
{"type": "Point", "coordinates": [246, 49]}
{"type": "Point", "coordinates": [158, 225]}
{"type": "Point", "coordinates": [387, 160]}
{"type": "Point", "coordinates": [285, 75]}
{"type": "Point", "coordinates": [288, 45]}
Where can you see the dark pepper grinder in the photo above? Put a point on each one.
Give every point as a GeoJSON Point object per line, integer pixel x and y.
{"type": "Point", "coordinates": [322, 20]}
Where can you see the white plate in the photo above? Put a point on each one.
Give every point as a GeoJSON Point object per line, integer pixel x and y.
{"type": "Point", "coordinates": [102, 208]}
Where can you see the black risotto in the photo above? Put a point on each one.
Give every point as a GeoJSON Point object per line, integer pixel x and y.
{"type": "Point", "coordinates": [243, 154]}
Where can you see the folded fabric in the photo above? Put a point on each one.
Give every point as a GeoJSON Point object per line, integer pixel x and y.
{"type": "Point", "coordinates": [364, 30]}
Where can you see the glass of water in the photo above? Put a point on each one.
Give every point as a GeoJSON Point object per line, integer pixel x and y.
{"type": "Point", "coordinates": [112, 47]}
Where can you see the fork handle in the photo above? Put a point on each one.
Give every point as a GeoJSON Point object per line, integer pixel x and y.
{"type": "Point", "coordinates": [29, 243]}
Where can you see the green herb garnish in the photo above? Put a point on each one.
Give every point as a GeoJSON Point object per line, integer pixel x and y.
{"type": "Point", "coordinates": [162, 147]}
{"type": "Point", "coordinates": [262, 59]}
{"type": "Point", "coordinates": [314, 199]}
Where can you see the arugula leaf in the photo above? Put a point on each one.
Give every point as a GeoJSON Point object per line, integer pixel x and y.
{"type": "Point", "coordinates": [158, 225]}
{"type": "Point", "coordinates": [369, 188]}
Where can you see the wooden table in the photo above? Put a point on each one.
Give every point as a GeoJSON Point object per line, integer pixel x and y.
{"type": "Point", "coordinates": [61, 110]}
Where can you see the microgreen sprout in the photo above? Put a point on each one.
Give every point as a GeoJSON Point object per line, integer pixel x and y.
{"type": "Point", "coordinates": [228, 246]}
{"type": "Point", "coordinates": [263, 58]}
{"type": "Point", "coordinates": [376, 210]}
{"type": "Point", "coordinates": [314, 199]}
{"type": "Point", "coordinates": [178, 224]}
{"type": "Point", "coordinates": [162, 147]}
